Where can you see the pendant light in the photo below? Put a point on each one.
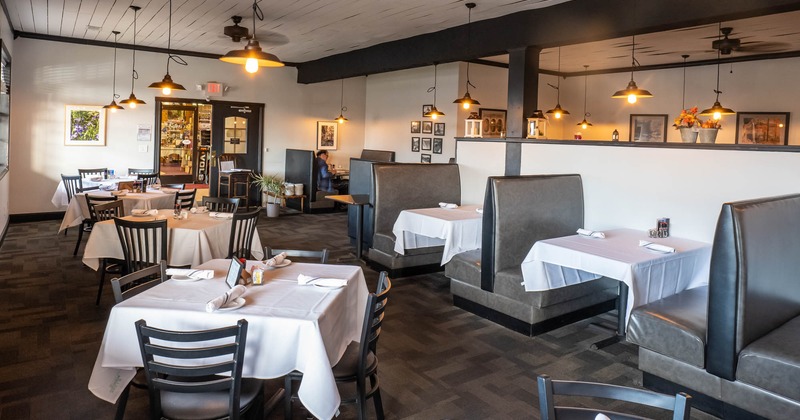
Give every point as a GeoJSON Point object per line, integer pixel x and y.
{"type": "Point", "coordinates": [252, 56]}
{"type": "Point", "coordinates": [132, 100]}
{"type": "Point", "coordinates": [585, 124]}
{"type": "Point", "coordinates": [466, 101]}
{"type": "Point", "coordinates": [113, 105]}
{"type": "Point", "coordinates": [433, 113]}
{"type": "Point", "coordinates": [717, 110]}
{"type": "Point", "coordinates": [558, 111]}
{"type": "Point", "coordinates": [166, 84]}
{"type": "Point", "coordinates": [632, 92]}
{"type": "Point", "coordinates": [341, 119]}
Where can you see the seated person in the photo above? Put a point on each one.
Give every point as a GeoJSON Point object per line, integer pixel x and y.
{"type": "Point", "coordinates": [324, 174]}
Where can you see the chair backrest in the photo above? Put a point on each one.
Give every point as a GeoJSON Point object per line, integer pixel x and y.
{"type": "Point", "coordinates": [150, 177]}
{"type": "Point", "coordinates": [383, 282]}
{"type": "Point", "coordinates": [135, 171]}
{"type": "Point", "coordinates": [83, 173]}
{"type": "Point", "coordinates": [221, 204]}
{"type": "Point", "coordinates": [93, 200]}
{"type": "Point", "coordinates": [83, 190]}
{"type": "Point", "coordinates": [679, 405]}
{"type": "Point", "coordinates": [143, 243]}
{"type": "Point", "coordinates": [105, 210]}
{"type": "Point", "coordinates": [243, 227]}
{"type": "Point", "coordinates": [142, 280]}
{"type": "Point", "coordinates": [71, 183]}
{"type": "Point", "coordinates": [377, 155]}
{"type": "Point", "coordinates": [175, 186]}
{"type": "Point", "coordinates": [298, 253]}
{"type": "Point", "coordinates": [185, 198]}
{"type": "Point", "coordinates": [373, 323]}
{"type": "Point", "coordinates": [188, 368]}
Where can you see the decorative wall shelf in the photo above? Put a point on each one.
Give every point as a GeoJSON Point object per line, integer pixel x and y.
{"type": "Point", "coordinates": [609, 143]}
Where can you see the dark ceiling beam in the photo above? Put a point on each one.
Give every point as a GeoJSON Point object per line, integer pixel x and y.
{"type": "Point", "coordinates": [573, 22]}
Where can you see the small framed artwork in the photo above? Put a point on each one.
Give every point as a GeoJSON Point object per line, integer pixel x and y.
{"type": "Point", "coordinates": [426, 109]}
{"type": "Point", "coordinates": [415, 126]}
{"type": "Point", "coordinates": [415, 144]}
{"type": "Point", "coordinates": [426, 143]}
{"type": "Point", "coordinates": [427, 127]}
{"type": "Point", "coordinates": [648, 128]}
{"type": "Point", "coordinates": [327, 135]}
{"type": "Point", "coordinates": [494, 122]}
{"type": "Point", "coordinates": [438, 129]}
{"type": "Point", "coordinates": [771, 128]}
{"type": "Point", "coordinates": [425, 158]}
{"type": "Point", "coordinates": [437, 146]}
{"type": "Point", "coordinates": [85, 125]}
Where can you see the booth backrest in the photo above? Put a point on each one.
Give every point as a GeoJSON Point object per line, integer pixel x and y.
{"type": "Point", "coordinates": [520, 210]}
{"type": "Point", "coordinates": [754, 286]}
{"type": "Point", "coordinates": [377, 155]}
{"type": "Point", "coordinates": [300, 169]}
{"type": "Point", "coordinates": [400, 186]}
{"type": "Point", "coordinates": [361, 183]}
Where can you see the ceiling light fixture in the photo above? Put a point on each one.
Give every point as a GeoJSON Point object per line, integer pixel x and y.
{"type": "Point", "coordinates": [558, 111]}
{"type": "Point", "coordinates": [433, 113]}
{"type": "Point", "coordinates": [466, 100]}
{"type": "Point", "coordinates": [632, 92]}
{"type": "Point", "coordinates": [717, 110]}
{"type": "Point", "coordinates": [252, 56]}
{"type": "Point", "coordinates": [132, 100]}
{"type": "Point", "coordinates": [341, 119]}
{"type": "Point", "coordinates": [166, 84]}
{"type": "Point", "coordinates": [113, 105]}
{"type": "Point", "coordinates": [585, 124]}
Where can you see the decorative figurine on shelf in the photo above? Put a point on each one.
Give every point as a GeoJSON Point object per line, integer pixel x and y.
{"type": "Point", "coordinates": [615, 135]}
{"type": "Point", "coordinates": [537, 125]}
{"type": "Point", "coordinates": [473, 126]}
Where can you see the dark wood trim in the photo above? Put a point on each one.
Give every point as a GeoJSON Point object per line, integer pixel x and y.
{"type": "Point", "coordinates": [669, 145]}
{"type": "Point", "coordinates": [35, 217]}
{"type": "Point", "coordinates": [513, 159]}
{"type": "Point", "coordinates": [5, 231]}
{"type": "Point", "coordinates": [405, 271]}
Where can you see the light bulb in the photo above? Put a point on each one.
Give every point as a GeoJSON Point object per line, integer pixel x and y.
{"type": "Point", "coordinates": [251, 65]}
{"type": "Point", "coordinates": [341, 120]}
{"type": "Point", "coordinates": [631, 99]}
{"type": "Point", "coordinates": [717, 116]}
{"type": "Point", "coordinates": [113, 110]}
{"type": "Point", "coordinates": [583, 126]}
{"type": "Point", "coordinates": [433, 116]}
{"type": "Point", "coordinates": [465, 105]}
{"type": "Point", "coordinates": [166, 91]}
{"type": "Point", "coordinates": [557, 115]}
{"type": "Point", "coordinates": [132, 105]}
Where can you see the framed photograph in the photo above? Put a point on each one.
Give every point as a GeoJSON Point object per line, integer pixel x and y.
{"type": "Point", "coordinates": [425, 158]}
{"type": "Point", "coordinates": [494, 122]}
{"type": "Point", "coordinates": [770, 128]}
{"type": "Point", "coordinates": [85, 125]}
{"type": "Point", "coordinates": [438, 129]}
{"type": "Point", "coordinates": [426, 143]}
{"type": "Point", "coordinates": [437, 146]}
{"type": "Point", "coordinates": [648, 128]}
{"type": "Point", "coordinates": [427, 127]}
{"type": "Point", "coordinates": [426, 109]}
{"type": "Point", "coordinates": [415, 144]}
{"type": "Point", "coordinates": [415, 126]}
{"type": "Point", "coordinates": [327, 135]}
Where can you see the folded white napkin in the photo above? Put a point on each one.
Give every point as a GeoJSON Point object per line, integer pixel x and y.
{"type": "Point", "coordinates": [448, 205]}
{"type": "Point", "coordinates": [593, 234]}
{"type": "Point", "coordinates": [221, 215]}
{"type": "Point", "coordinates": [225, 298]}
{"type": "Point", "coordinates": [188, 272]}
{"type": "Point", "coordinates": [276, 260]}
{"type": "Point", "coordinates": [141, 212]}
{"type": "Point", "coordinates": [119, 193]}
{"type": "Point", "coordinates": [320, 281]}
{"type": "Point", "coordinates": [200, 209]}
{"type": "Point", "coordinates": [656, 247]}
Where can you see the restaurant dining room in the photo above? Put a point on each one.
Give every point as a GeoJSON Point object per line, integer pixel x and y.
{"type": "Point", "coordinates": [417, 210]}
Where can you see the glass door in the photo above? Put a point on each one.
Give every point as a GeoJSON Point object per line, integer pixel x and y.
{"type": "Point", "coordinates": [178, 142]}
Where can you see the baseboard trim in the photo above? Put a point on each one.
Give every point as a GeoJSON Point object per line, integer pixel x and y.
{"type": "Point", "coordinates": [5, 230]}
{"type": "Point", "coordinates": [406, 271]}
{"type": "Point", "coordinates": [35, 217]}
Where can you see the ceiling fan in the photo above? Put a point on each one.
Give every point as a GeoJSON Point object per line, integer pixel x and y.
{"type": "Point", "coordinates": [726, 44]}
{"type": "Point", "coordinates": [240, 33]}
{"type": "Point", "coordinates": [236, 32]}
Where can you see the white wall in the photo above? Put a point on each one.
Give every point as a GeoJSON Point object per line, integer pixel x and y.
{"type": "Point", "coordinates": [49, 75]}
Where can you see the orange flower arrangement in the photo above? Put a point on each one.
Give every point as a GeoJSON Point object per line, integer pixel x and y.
{"type": "Point", "coordinates": [688, 118]}
{"type": "Point", "coordinates": [710, 123]}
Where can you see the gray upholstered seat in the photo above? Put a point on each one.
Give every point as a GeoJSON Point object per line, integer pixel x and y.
{"type": "Point", "coordinates": [772, 362]}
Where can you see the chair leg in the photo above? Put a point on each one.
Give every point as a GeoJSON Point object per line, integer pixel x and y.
{"type": "Point", "coordinates": [102, 280]}
{"type": "Point", "coordinates": [122, 403]}
{"type": "Point", "coordinates": [378, 404]}
{"type": "Point", "coordinates": [287, 398]}
{"type": "Point", "coordinates": [78, 243]}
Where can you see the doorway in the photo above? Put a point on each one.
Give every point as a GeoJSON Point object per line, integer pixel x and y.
{"type": "Point", "coordinates": [236, 130]}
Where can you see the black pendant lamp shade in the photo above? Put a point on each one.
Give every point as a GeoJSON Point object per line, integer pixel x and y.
{"type": "Point", "coordinates": [166, 84]}
{"type": "Point", "coordinates": [341, 119]}
{"type": "Point", "coordinates": [466, 101]}
{"type": "Point", "coordinates": [113, 105]}
{"type": "Point", "coordinates": [132, 100]}
{"type": "Point", "coordinates": [632, 92]}
{"type": "Point", "coordinates": [252, 56]}
{"type": "Point", "coordinates": [717, 110]}
{"type": "Point", "coordinates": [585, 124]}
{"type": "Point", "coordinates": [433, 113]}
{"type": "Point", "coordinates": [557, 112]}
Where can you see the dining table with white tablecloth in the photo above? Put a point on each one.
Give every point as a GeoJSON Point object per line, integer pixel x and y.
{"type": "Point", "coordinates": [77, 210]}
{"type": "Point", "coordinates": [458, 229]}
{"type": "Point", "coordinates": [198, 238]}
{"type": "Point", "coordinates": [290, 327]}
{"type": "Point", "coordinates": [61, 200]}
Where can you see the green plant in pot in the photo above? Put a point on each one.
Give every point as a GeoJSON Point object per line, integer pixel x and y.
{"type": "Point", "coordinates": [272, 186]}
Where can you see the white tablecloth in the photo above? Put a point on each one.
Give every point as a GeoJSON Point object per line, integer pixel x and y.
{"type": "Point", "coordinates": [60, 199]}
{"type": "Point", "coordinates": [458, 229]}
{"type": "Point", "coordinates": [291, 327]}
{"type": "Point", "coordinates": [650, 275]}
{"type": "Point", "coordinates": [152, 199]}
{"type": "Point", "coordinates": [192, 241]}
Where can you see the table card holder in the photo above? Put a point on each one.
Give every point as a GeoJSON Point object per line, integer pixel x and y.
{"type": "Point", "coordinates": [234, 273]}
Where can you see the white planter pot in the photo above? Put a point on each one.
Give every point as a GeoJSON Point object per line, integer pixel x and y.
{"type": "Point", "coordinates": [273, 209]}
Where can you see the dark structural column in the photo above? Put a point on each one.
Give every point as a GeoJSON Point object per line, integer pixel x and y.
{"type": "Point", "coordinates": [523, 94]}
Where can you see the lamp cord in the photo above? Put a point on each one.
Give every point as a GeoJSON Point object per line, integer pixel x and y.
{"type": "Point", "coordinates": [469, 41]}
{"type": "Point", "coordinates": [683, 99]}
{"type": "Point", "coordinates": [341, 99]}
{"type": "Point", "coordinates": [719, 37]}
{"type": "Point", "coordinates": [175, 58]}
{"type": "Point", "coordinates": [433, 88]}
{"type": "Point", "coordinates": [134, 74]}
{"type": "Point", "coordinates": [114, 77]}
{"type": "Point", "coordinates": [585, 89]}
{"type": "Point", "coordinates": [257, 12]}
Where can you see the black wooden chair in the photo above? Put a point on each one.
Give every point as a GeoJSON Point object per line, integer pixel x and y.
{"type": "Point", "coordinates": [87, 172]}
{"type": "Point", "coordinates": [187, 385]}
{"type": "Point", "coordinates": [359, 364]}
{"type": "Point", "coordinates": [185, 199]}
{"type": "Point", "coordinates": [243, 227]}
{"type": "Point", "coordinates": [221, 204]}
{"type": "Point", "coordinates": [322, 255]}
{"type": "Point", "coordinates": [143, 243]}
{"type": "Point", "coordinates": [87, 223]}
{"type": "Point", "coordinates": [679, 405]}
{"type": "Point", "coordinates": [101, 209]}
{"type": "Point", "coordinates": [71, 185]}
{"type": "Point", "coordinates": [137, 171]}
{"type": "Point", "coordinates": [175, 186]}
{"type": "Point", "coordinates": [147, 179]}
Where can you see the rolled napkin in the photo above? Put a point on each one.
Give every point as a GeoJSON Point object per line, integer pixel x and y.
{"type": "Point", "coordinates": [480, 210]}
{"type": "Point", "coordinates": [188, 272]}
{"type": "Point", "coordinates": [448, 205]}
{"type": "Point", "coordinates": [593, 234]}
{"type": "Point", "coordinates": [276, 260]}
{"type": "Point", "coordinates": [200, 209]}
{"type": "Point", "coordinates": [119, 193]}
{"type": "Point", "coordinates": [142, 212]}
{"type": "Point", "coordinates": [656, 247]}
{"type": "Point", "coordinates": [320, 281]}
{"type": "Point", "coordinates": [225, 298]}
{"type": "Point", "coordinates": [221, 215]}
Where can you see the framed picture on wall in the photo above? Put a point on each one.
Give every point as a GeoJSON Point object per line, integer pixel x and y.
{"type": "Point", "coordinates": [85, 125]}
{"type": "Point", "coordinates": [415, 125]}
{"type": "Point", "coordinates": [415, 144]}
{"type": "Point", "coordinates": [327, 135]}
{"type": "Point", "coordinates": [494, 122]}
{"type": "Point", "coordinates": [437, 146]}
{"type": "Point", "coordinates": [426, 143]}
{"type": "Point", "coordinates": [648, 128]}
{"type": "Point", "coordinates": [427, 127]}
{"type": "Point", "coordinates": [426, 109]}
{"type": "Point", "coordinates": [438, 129]}
{"type": "Point", "coordinates": [425, 158]}
{"type": "Point", "coordinates": [762, 128]}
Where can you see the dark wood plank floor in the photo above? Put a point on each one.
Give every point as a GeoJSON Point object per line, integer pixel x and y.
{"type": "Point", "coordinates": [436, 361]}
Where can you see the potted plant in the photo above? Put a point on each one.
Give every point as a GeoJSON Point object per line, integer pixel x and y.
{"type": "Point", "coordinates": [687, 122]}
{"type": "Point", "coordinates": [273, 189]}
{"type": "Point", "coordinates": [708, 131]}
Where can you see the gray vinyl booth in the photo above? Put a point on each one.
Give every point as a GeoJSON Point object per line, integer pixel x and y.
{"type": "Point", "coordinates": [301, 169]}
{"type": "Point", "coordinates": [517, 212]}
{"type": "Point", "coordinates": [361, 183]}
{"type": "Point", "coordinates": [400, 186]}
